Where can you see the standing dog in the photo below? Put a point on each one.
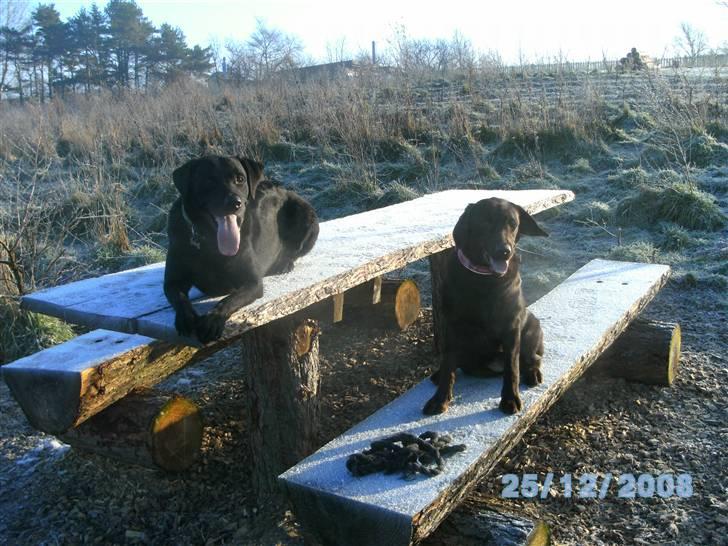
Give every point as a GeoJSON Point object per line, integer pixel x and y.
{"type": "Point", "coordinates": [228, 229]}
{"type": "Point", "coordinates": [487, 328]}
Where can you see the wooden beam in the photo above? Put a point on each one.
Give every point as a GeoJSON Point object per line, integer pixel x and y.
{"type": "Point", "coordinates": [580, 319]}
{"type": "Point", "coordinates": [60, 387]}
{"type": "Point", "coordinates": [282, 380]}
{"type": "Point", "coordinates": [488, 526]}
{"type": "Point", "coordinates": [647, 352]}
{"type": "Point", "coordinates": [349, 251]}
{"type": "Point", "coordinates": [147, 428]}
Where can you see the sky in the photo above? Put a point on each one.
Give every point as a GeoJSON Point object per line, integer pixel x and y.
{"type": "Point", "coordinates": [517, 29]}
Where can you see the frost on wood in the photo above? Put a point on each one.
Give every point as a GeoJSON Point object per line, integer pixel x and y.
{"type": "Point", "coordinates": [349, 251]}
{"type": "Point", "coordinates": [580, 318]}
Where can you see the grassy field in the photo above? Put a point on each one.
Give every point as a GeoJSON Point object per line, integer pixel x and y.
{"type": "Point", "coordinates": [86, 183]}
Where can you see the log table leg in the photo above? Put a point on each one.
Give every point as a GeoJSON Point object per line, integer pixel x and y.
{"type": "Point", "coordinates": [281, 360]}
{"type": "Point", "coordinates": [438, 263]}
{"type": "Point", "coordinates": [147, 428]}
{"type": "Point", "coordinates": [647, 352]}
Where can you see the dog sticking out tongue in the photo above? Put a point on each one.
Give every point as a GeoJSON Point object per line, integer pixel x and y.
{"type": "Point", "coordinates": [499, 267]}
{"type": "Point", "coordinates": [228, 234]}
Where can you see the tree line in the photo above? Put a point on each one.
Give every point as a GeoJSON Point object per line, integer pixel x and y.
{"type": "Point", "coordinates": [117, 47]}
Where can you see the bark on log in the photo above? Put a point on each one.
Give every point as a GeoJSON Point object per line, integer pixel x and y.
{"type": "Point", "coordinates": [62, 386]}
{"type": "Point", "coordinates": [147, 428]}
{"type": "Point", "coordinates": [647, 352]}
{"type": "Point", "coordinates": [490, 527]}
{"type": "Point", "coordinates": [283, 381]}
{"type": "Point", "coordinates": [437, 275]}
{"type": "Point", "coordinates": [383, 303]}
{"type": "Point", "coordinates": [398, 308]}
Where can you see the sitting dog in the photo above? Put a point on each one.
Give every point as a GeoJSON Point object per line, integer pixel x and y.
{"type": "Point", "coordinates": [228, 229]}
{"type": "Point", "coordinates": [486, 326]}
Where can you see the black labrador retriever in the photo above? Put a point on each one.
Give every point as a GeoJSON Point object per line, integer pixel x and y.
{"type": "Point", "coordinates": [486, 326]}
{"type": "Point", "coordinates": [228, 229]}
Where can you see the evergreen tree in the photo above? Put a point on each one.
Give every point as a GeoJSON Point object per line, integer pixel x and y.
{"type": "Point", "coordinates": [51, 35]}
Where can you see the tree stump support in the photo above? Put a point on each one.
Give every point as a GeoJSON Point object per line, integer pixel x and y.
{"type": "Point", "coordinates": [148, 428]}
{"type": "Point", "coordinates": [281, 360]}
{"type": "Point", "coordinates": [647, 352]}
{"type": "Point", "coordinates": [438, 266]}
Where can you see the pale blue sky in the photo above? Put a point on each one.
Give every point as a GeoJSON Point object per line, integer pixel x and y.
{"type": "Point", "coordinates": [581, 30]}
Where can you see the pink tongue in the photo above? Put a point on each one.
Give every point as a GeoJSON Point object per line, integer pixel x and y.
{"type": "Point", "coordinates": [228, 234]}
{"type": "Point", "coordinates": [499, 266]}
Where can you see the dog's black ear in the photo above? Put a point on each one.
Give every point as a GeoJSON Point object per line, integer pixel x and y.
{"type": "Point", "coordinates": [182, 176]}
{"type": "Point", "coordinates": [460, 231]}
{"type": "Point", "coordinates": [528, 225]}
{"type": "Point", "coordinates": [254, 170]}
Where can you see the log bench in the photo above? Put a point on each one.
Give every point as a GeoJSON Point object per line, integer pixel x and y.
{"type": "Point", "coordinates": [580, 319]}
{"type": "Point", "coordinates": [135, 343]}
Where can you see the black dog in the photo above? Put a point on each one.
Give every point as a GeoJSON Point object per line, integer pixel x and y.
{"type": "Point", "coordinates": [228, 229]}
{"type": "Point", "coordinates": [487, 328]}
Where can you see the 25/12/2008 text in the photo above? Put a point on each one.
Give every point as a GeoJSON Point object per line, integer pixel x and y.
{"type": "Point", "coordinates": [595, 486]}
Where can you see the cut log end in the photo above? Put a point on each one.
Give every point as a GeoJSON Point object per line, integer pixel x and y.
{"type": "Point", "coordinates": [303, 337]}
{"type": "Point", "coordinates": [647, 352]}
{"type": "Point", "coordinates": [176, 434]}
{"type": "Point", "coordinates": [407, 304]}
{"type": "Point", "coordinates": [147, 428]}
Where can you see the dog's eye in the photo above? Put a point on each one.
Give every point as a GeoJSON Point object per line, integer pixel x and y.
{"type": "Point", "coordinates": [512, 224]}
{"type": "Point", "coordinates": [240, 179]}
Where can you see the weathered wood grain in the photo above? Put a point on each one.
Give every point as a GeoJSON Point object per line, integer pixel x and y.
{"type": "Point", "coordinates": [580, 319]}
{"type": "Point", "coordinates": [282, 380]}
{"type": "Point", "coordinates": [62, 386]}
{"type": "Point", "coordinates": [147, 428]}
{"type": "Point", "coordinates": [647, 352]}
{"type": "Point", "coordinates": [349, 251]}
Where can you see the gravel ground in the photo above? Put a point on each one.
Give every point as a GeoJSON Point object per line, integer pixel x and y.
{"type": "Point", "coordinates": [52, 495]}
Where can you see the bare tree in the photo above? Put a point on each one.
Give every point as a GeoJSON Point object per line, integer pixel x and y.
{"type": "Point", "coordinates": [272, 50]}
{"type": "Point", "coordinates": [337, 51]}
{"type": "Point", "coordinates": [14, 14]}
{"type": "Point", "coordinates": [691, 42]}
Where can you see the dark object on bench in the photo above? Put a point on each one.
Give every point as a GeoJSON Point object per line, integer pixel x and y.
{"type": "Point", "coordinates": [405, 453]}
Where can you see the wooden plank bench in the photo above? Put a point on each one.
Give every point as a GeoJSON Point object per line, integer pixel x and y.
{"type": "Point", "coordinates": [580, 319]}
{"type": "Point", "coordinates": [61, 387]}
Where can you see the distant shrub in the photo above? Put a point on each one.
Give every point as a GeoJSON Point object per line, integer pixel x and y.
{"type": "Point", "coordinates": [593, 212]}
{"type": "Point", "coordinates": [628, 178]}
{"type": "Point", "coordinates": [681, 203]}
{"type": "Point", "coordinates": [674, 237]}
{"type": "Point", "coordinates": [23, 332]}
{"type": "Point", "coordinates": [488, 172]}
{"type": "Point", "coordinates": [638, 251]}
{"type": "Point", "coordinates": [581, 166]}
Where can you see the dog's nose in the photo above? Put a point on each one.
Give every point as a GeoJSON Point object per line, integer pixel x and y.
{"type": "Point", "coordinates": [503, 252]}
{"type": "Point", "coordinates": [233, 203]}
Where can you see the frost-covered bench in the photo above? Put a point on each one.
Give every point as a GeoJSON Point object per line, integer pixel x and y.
{"type": "Point", "coordinates": [135, 343]}
{"type": "Point", "coordinates": [580, 318]}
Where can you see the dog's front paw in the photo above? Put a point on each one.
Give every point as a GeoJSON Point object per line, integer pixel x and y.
{"type": "Point", "coordinates": [533, 377]}
{"type": "Point", "coordinates": [510, 405]}
{"type": "Point", "coordinates": [435, 406]}
{"type": "Point", "coordinates": [209, 327]}
{"type": "Point", "coordinates": [184, 322]}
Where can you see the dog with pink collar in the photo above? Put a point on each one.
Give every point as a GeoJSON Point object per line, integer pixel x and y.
{"type": "Point", "coordinates": [487, 329]}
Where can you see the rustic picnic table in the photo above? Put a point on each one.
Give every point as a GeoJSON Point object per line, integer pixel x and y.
{"type": "Point", "coordinates": [278, 341]}
{"type": "Point", "coordinates": [61, 388]}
